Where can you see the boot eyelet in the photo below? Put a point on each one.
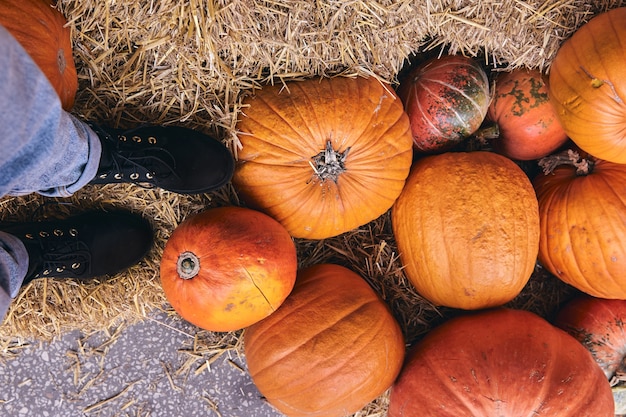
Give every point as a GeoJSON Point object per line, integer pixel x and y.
{"type": "Point", "coordinates": [58, 232]}
{"type": "Point", "coordinates": [137, 139]}
{"type": "Point", "coordinates": [29, 236]}
{"type": "Point", "coordinates": [46, 272]}
{"type": "Point", "coordinates": [149, 175]}
{"type": "Point", "coordinates": [73, 232]}
{"type": "Point", "coordinates": [44, 234]}
{"type": "Point", "coordinates": [76, 265]}
{"type": "Point", "coordinates": [61, 269]}
{"type": "Point", "coordinates": [122, 138]}
{"type": "Point", "coordinates": [152, 140]}
{"type": "Point", "coordinates": [118, 176]}
{"type": "Point", "coordinates": [103, 176]}
{"type": "Point", "coordinates": [134, 176]}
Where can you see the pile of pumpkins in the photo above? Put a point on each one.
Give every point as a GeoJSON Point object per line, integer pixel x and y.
{"type": "Point", "coordinates": [322, 157]}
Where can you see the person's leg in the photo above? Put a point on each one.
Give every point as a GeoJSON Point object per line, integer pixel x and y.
{"type": "Point", "coordinates": [13, 269]}
{"type": "Point", "coordinates": [44, 148]}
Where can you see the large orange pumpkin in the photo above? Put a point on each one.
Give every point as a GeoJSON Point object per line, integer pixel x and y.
{"type": "Point", "coordinates": [588, 86]}
{"type": "Point", "coordinates": [467, 229]}
{"type": "Point", "coordinates": [504, 363]}
{"type": "Point", "coordinates": [40, 29]}
{"type": "Point", "coordinates": [527, 122]}
{"type": "Point", "coordinates": [331, 348]}
{"type": "Point", "coordinates": [583, 227]}
{"type": "Point", "coordinates": [323, 156]}
{"type": "Point", "coordinates": [446, 99]}
{"type": "Point", "coordinates": [226, 268]}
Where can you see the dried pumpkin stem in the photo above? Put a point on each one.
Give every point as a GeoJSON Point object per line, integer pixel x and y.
{"type": "Point", "coordinates": [188, 265]}
{"type": "Point", "coordinates": [329, 163]}
{"type": "Point", "coordinates": [583, 166]}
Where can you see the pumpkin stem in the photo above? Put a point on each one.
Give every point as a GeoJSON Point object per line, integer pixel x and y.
{"type": "Point", "coordinates": [329, 163]}
{"type": "Point", "coordinates": [188, 265]}
{"type": "Point", "coordinates": [583, 166]}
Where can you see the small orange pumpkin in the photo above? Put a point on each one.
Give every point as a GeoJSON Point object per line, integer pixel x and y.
{"type": "Point", "coordinates": [323, 156]}
{"type": "Point", "coordinates": [330, 349]}
{"type": "Point", "coordinates": [467, 228]}
{"type": "Point", "coordinates": [588, 86]}
{"type": "Point", "coordinates": [40, 29]}
{"type": "Point", "coordinates": [504, 363]}
{"type": "Point", "coordinates": [226, 268]}
{"type": "Point", "coordinates": [527, 122]}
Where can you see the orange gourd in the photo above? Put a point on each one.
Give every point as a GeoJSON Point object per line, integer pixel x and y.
{"type": "Point", "coordinates": [527, 122]}
{"type": "Point", "coordinates": [226, 268]}
{"type": "Point", "coordinates": [330, 349]}
{"type": "Point", "coordinates": [588, 86]}
{"type": "Point", "coordinates": [467, 229]}
{"type": "Point", "coordinates": [504, 363]}
{"type": "Point", "coordinates": [323, 156]}
{"type": "Point", "coordinates": [41, 30]}
{"type": "Point", "coordinates": [583, 232]}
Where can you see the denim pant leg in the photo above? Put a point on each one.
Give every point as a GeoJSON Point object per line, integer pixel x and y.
{"type": "Point", "coordinates": [13, 268]}
{"type": "Point", "coordinates": [43, 149]}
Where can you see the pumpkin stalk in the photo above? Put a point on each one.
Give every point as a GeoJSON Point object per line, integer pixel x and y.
{"type": "Point", "coordinates": [583, 166]}
{"type": "Point", "coordinates": [329, 163]}
{"type": "Point", "coordinates": [188, 265]}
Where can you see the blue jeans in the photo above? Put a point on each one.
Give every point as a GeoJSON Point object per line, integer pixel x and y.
{"type": "Point", "coordinates": [43, 149]}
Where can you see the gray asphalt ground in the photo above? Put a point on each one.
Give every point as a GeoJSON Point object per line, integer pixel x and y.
{"type": "Point", "coordinates": [144, 371]}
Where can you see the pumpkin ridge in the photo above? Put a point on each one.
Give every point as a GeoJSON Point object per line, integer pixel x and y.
{"type": "Point", "coordinates": [311, 337]}
{"type": "Point", "coordinates": [297, 138]}
{"type": "Point", "coordinates": [340, 358]}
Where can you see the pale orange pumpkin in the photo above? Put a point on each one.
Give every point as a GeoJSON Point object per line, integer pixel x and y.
{"type": "Point", "coordinates": [467, 229]}
{"type": "Point", "coordinates": [41, 30]}
{"type": "Point", "coordinates": [588, 86]}
{"type": "Point", "coordinates": [323, 156]}
{"type": "Point", "coordinates": [226, 268]}
{"type": "Point", "coordinates": [583, 231]}
{"type": "Point", "coordinates": [330, 349]}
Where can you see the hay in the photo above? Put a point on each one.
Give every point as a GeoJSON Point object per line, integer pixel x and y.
{"type": "Point", "coordinates": [190, 63]}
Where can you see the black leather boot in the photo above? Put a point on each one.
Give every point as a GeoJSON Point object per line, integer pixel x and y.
{"type": "Point", "coordinates": [84, 246]}
{"type": "Point", "coordinates": [173, 158]}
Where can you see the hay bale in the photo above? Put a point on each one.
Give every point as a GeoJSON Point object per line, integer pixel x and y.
{"type": "Point", "coordinates": [190, 63]}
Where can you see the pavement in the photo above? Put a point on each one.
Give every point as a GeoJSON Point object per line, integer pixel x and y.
{"type": "Point", "coordinates": [148, 369]}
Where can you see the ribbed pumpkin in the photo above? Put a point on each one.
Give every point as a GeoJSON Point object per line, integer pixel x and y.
{"type": "Point", "coordinates": [467, 229]}
{"type": "Point", "coordinates": [41, 30]}
{"type": "Point", "coordinates": [330, 349]}
{"type": "Point", "coordinates": [226, 268]}
{"type": "Point", "coordinates": [323, 156]}
{"type": "Point", "coordinates": [588, 86]}
{"type": "Point", "coordinates": [504, 363]}
{"type": "Point", "coordinates": [446, 99]}
{"type": "Point", "coordinates": [527, 122]}
{"type": "Point", "coordinates": [583, 231]}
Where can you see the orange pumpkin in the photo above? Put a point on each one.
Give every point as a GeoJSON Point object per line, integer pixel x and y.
{"type": "Point", "coordinates": [527, 122]}
{"type": "Point", "coordinates": [323, 156]}
{"type": "Point", "coordinates": [505, 363]}
{"type": "Point", "coordinates": [467, 229]}
{"type": "Point", "coordinates": [331, 348]}
{"type": "Point", "coordinates": [41, 30]}
{"type": "Point", "coordinates": [446, 99]}
{"type": "Point", "coordinates": [583, 232]}
{"type": "Point", "coordinates": [226, 268]}
{"type": "Point", "coordinates": [588, 86]}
